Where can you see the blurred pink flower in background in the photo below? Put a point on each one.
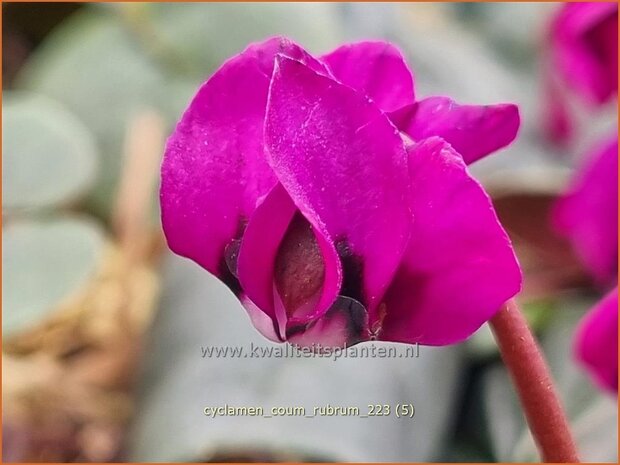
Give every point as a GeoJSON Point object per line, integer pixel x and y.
{"type": "Point", "coordinates": [596, 342]}
{"type": "Point", "coordinates": [588, 213]}
{"type": "Point", "coordinates": [584, 48]}
{"type": "Point", "coordinates": [582, 59]}
{"type": "Point", "coordinates": [287, 179]}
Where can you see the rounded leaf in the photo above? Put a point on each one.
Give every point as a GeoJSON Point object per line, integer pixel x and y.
{"type": "Point", "coordinates": [49, 157]}
{"type": "Point", "coordinates": [46, 261]}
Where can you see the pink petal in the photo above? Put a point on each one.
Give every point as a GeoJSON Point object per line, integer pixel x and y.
{"type": "Point", "coordinates": [459, 267]}
{"type": "Point", "coordinates": [473, 130]}
{"type": "Point", "coordinates": [214, 168]}
{"type": "Point", "coordinates": [376, 69]}
{"type": "Point", "coordinates": [257, 260]}
{"type": "Point", "coordinates": [584, 47]}
{"type": "Point", "coordinates": [261, 321]}
{"type": "Point", "coordinates": [588, 214]}
{"type": "Point", "coordinates": [344, 166]}
{"type": "Point", "coordinates": [259, 247]}
{"type": "Point", "coordinates": [596, 342]}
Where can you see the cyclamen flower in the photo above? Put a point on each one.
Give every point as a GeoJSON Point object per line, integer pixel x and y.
{"type": "Point", "coordinates": [288, 177]}
{"type": "Point", "coordinates": [596, 342]}
{"type": "Point", "coordinates": [588, 213]}
{"type": "Point", "coordinates": [584, 41]}
{"type": "Point", "coordinates": [583, 57]}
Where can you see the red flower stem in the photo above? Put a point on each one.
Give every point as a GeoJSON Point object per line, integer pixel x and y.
{"type": "Point", "coordinates": [531, 377]}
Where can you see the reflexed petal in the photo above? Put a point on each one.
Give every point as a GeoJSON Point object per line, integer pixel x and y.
{"type": "Point", "coordinates": [345, 167]}
{"type": "Point", "coordinates": [377, 69]}
{"type": "Point", "coordinates": [596, 342]}
{"type": "Point", "coordinates": [459, 267]}
{"type": "Point", "coordinates": [214, 168]}
{"type": "Point", "coordinates": [473, 130]}
{"type": "Point", "coordinates": [588, 215]}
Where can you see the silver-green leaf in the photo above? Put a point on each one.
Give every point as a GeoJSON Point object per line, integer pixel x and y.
{"type": "Point", "coordinates": [49, 157]}
{"type": "Point", "coordinates": [45, 261]}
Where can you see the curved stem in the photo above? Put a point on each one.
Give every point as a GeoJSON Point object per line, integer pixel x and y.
{"type": "Point", "coordinates": [530, 375]}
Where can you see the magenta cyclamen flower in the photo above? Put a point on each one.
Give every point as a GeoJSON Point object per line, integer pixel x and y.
{"type": "Point", "coordinates": [596, 342]}
{"type": "Point", "coordinates": [584, 47]}
{"type": "Point", "coordinates": [588, 213]}
{"type": "Point", "coordinates": [333, 203]}
{"type": "Point", "coordinates": [583, 57]}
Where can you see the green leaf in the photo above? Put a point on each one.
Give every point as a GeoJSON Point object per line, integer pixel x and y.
{"type": "Point", "coordinates": [49, 157]}
{"type": "Point", "coordinates": [45, 262]}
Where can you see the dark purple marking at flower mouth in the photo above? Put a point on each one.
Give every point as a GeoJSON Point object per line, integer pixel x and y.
{"type": "Point", "coordinates": [228, 264]}
{"type": "Point", "coordinates": [352, 272]}
{"type": "Point", "coordinates": [355, 320]}
{"type": "Point", "coordinates": [231, 256]}
{"type": "Point", "coordinates": [226, 274]}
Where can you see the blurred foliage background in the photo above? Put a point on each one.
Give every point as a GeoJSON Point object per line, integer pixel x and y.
{"type": "Point", "coordinates": [102, 326]}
